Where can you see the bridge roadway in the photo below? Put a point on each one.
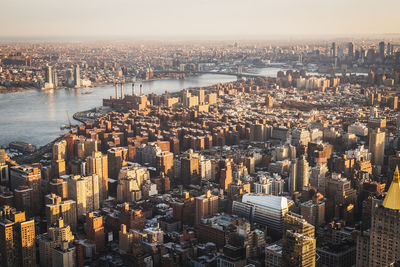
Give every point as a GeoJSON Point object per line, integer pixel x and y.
{"type": "Point", "coordinates": [247, 75]}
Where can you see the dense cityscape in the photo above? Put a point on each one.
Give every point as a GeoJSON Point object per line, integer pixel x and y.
{"type": "Point", "coordinates": [211, 133]}
{"type": "Point", "coordinates": [60, 65]}
{"type": "Point", "coordinates": [296, 169]}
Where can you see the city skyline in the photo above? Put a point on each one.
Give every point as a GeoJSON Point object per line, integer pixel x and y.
{"type": "Point", "coordinates": [199, 133]}
{"type": "Point", "coordinates": [204, 19]}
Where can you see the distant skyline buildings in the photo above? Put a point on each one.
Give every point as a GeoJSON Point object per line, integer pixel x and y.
{"type": "Point", "coordinates": [203, 18]}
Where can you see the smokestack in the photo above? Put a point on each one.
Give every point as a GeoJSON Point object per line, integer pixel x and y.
{"type": "Point", "coordinates": [122, 90]}
{"type": "Point", "coordinates": [133, 89]}
{"type": "Point", "coordinates": [141, 90]}
{"type": "Point", "coordinates": [116, 90]}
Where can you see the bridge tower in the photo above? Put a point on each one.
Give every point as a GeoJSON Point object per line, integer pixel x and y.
{"type": "Point", "coordinates": [116, 90]}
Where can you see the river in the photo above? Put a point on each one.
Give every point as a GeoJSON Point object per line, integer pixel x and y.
{"type": "Point", "coordinates": [36, 116]}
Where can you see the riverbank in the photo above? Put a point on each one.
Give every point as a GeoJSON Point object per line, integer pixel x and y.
{"type": "Point", "coordinates": [5, 90]}
{"type": "Point", "coordinates": [36, 116]}
{"type": "Point", "coordinates": [37, 154]}
{"type": "Point", "coordinates": [91, 114]}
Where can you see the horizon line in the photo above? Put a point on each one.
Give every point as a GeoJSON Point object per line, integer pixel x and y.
{"type": "Point", "coordinates": [190, 37]}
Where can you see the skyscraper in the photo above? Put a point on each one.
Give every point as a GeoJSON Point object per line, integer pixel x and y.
{"type": "Point", "coordinates": [382, 49]}
{"type": "Point", "coordinates": [30, 176]}
{"type": "Point", "coordinates": [226, 175]}
{"type": "Point", "coordinates": [77, 76]}
{"type": "Point", "coordinates": [384, 244]}
{"type": "Point", "coordinates": [116, 160]}
{"type": "Point", "coordinates": [302, 178]}
{"type": "Point", "coordinates": [377, 146]}
{"type": "Point", "coordinates": [85, 191]}
{"type": "Point", "coordinates": [299, 244]}
{"type": "Point", "coordinates": [97, 163]}
{"type": "Point", "coordinates": [49, 75]}
{"type": "Point", "coordinates": [333, 50]}
{"type": "Point", "coordinates": [59, 155]}
{"type": "Point", "coordinates": [17, 238]}
{"type": "Point", "coordinates": [350, 52]}
{"type": "Point", "coordinates": [292, 176]}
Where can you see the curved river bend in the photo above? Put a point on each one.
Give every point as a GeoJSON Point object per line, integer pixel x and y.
{"type": "Point", "coordinates": [36, 116]}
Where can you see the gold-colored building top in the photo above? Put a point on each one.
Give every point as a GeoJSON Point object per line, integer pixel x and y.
{"type": "Point", "coordinates": [392, 198]}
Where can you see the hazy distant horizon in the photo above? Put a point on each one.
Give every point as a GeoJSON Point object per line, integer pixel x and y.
{"type": "Point", "coordinates": [321, 37]}
{"type": "Point", "coordinates": [202, 19]}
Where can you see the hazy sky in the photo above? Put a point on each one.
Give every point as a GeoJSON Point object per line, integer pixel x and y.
{"type": "Point", "coordinates": [132, 18]}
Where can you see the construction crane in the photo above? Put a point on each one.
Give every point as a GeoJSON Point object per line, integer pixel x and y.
{"type": "Point", "coordinates": [63, 127]}
{"type": "Point", "coordinates": [69, 121]}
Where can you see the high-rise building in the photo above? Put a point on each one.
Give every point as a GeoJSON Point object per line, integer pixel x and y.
{"type": "Point", "coordinates": [130, 182]}
{"type": "Point", "coordinates": [201, 97]}
{"type": "Point", "coordinates": [384, 243]}
{"type": "Point", "coordinates": [56, 208]}
{"type": "Point", "coordinates": [302, 177]}
{"type": "Point", "coordinates": [51, 80]}
{"type": "Point", "coordinates": [350, 52]}
{"type": "Point", "coordinates": [333, 50]}
{"type": "Point", "coordinates": [206, 205]}
{"type": "Point", "coordinates": [95, 229]}
{"type": "Point", "coordinates": [97, 164]}
{"type": "Point", "coordinates": [17, 238]}
{"type": "Point", "coordinates": [49, 75]}
{"type": "Point", "coordinates": [55, 78]}
{"type": "Point", "coordinates": [341, 197]}
{"type": "Point", "coordinates": [299, 244]}
{"type": "Point", "coordinates": [85, 192]}
{"type": "Point", "coordinates": [23, 199]}
{"type": "Point", "coordinates": [205, 168]}
{"type": "Point", "coordinates": [165, 163]}
{"type": "Point", "coordinates": [132, 218]}
{"type": "Point", "coordinates": [64, 255]}
{"type": "Point", "coordinates": [265, 210]}
{"type": "Point", "coordinates": [3, 156]}
{"type": "Point", "coordinates": [382, 49]}
{"type": "Point", "coordinates": [77, 76]}
{"type": "Point", "coordinates": [188, 100]}
{"type": "Point", "coordinates": [292, 176]}
{"type": "Point", "coordinates": [30, 176]}
{"type": "Point", "coordinates": [313, 210]}
{"type": "Point", "coordinates": [184, 208]}
{"type": "Point", "coordinates": [59, 187]}
{"type": "Point", "coordinates": [146, 154]}
{"type": "Point", "coordinates": [116, 160]}
{"type": "Point", "coordinates": [59, 155]}
{"type": "Point", "coordinates": [318, 177]}
{"type": "Point", "coordinates": [377, 146]}
{"type": "Point", "coordinates": [226, 175]}
{"type": "Point", "coordinates": [269, 101]}
{"type": "Point", "coordinates": [56, 235]}
{"type": "Point", "coordinates": [190, 168]}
